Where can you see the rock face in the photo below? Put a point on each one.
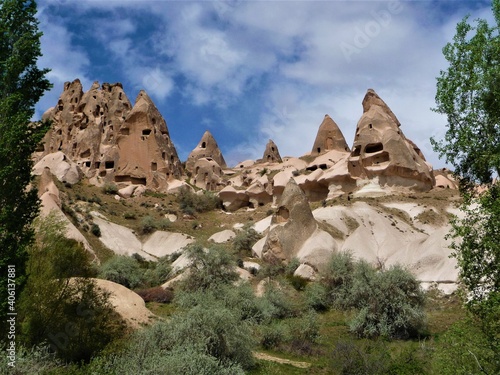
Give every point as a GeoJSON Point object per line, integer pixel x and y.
{"type": "Point", "coordinates": [206, 148]}
{"type": "Point", "coordinates": [271, 153]}
{"type": "Point", "coordinates": [381, 149]}
{"type": "Point", "coordinates": [295, 232]}
{"type": "Point", "coordinates": [110, 140]}
{"type": "Point", "coordinates": [329, 138]}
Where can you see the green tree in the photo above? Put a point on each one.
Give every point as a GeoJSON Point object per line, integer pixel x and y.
{"type": "Point", "coordinates": [22, 84]}
{"type": "Point", "coordinates": [61, 305]}
{"type": "Point", "coordinates": [468, 93]}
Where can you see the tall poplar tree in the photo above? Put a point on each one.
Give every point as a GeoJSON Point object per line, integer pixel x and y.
{"type": "Point", "coordinates": [22, 83]}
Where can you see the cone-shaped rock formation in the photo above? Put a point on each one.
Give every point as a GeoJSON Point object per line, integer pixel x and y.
{"type": "Point", "coordinates": [206, 148]}
{"type": "Point", "coordinates": [381, 150]}
{"type": "Point", "coordinates": [271, 153]}
{"type": "Point", "coordinates": [329, 138]}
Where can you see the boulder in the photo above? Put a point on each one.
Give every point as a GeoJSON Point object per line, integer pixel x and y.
{"type": "Point", "coordinates": [161, 243]}
{"type": "Point", "coordinates": [306, 272]}
{"type": "Point", "coordinates": [60, 166]}
{"type": "Point", "coordinates": [223, 236]}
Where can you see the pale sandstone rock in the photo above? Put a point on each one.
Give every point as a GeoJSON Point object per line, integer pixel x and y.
{"type": "Point", "coordinates": [223, 236]}
{"type": "Point", "coordinates": [233, 199]}
{"type": "Point", "coordinates": [60, 166]}
{"type": "Point", "coordinates": [162, 243]}
{"type": "Point", "coordinates": [128, 304]}
{"type": "Point", "coordinates": [127, 191]}
{"type": "Point", "coordinates": [207, 174]}
{"type": "Point", "coordinates": [305, 271]}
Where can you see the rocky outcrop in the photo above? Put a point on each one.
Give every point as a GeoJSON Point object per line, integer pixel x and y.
{"type": "Point", "coordinates": [295, 233]}
{"type": "Point", "coordinates": [110, 140]}
{"type": "Point", "coordinates": [60, 166]}
{"type": "Point", "coordinates": [329, 138]}
{"type": "Point", "coordinates": [207, 174]}
{"type": "Point", "coordinates": [207, 148]}
{"type": "Point", "coordinates": [271, 153]}
{"type": "Point", "coordinates": [381, 150]}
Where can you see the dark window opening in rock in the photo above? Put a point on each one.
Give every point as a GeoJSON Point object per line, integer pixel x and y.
{"type": "Point", "coordinates": [125, 131]}
{"type": "Point", "coordinates": [373, 147]}
{"type": "Point", "coordinates": [268, 157]}
{"type": "Point", "coordinates": [84, 125]}
{"type": "Point", "coordinates": [194, 182]}
{"type": "Point", "coordinates": [154, 167]}
{"type": "Point", "coordinates": [88, 164]}
{"type": "Point", "coordinates": [242, 166]}
{"type": "Point", "coordinates": [120, 96]}
{"type": "Point", "coordinates": [76, 100]}
{"type": "Point", "coordinates": [111, 128]}
{"type": "Point", "coordinates": [163, 155]}
{"type": "Point", "coordinates": [319, 150]}
{"type": "Point", "coordinates": [356, 151]}
{"type": "Point", "coordinates": [172, 158]}
{"type": "Point", "coordinates": [323, 166]}
{"type": "Point", "coordinates": [122, 178]}
{"type": "Point", "coordinates": [370, 126]}
{"type": "Point", "coordinates": [74, 146]}
{"type": "Point", "coordinates": [210, 159]}
{"type": "Point", "coordinates": [97, 110]}
{"type": "Point", "coordinates": [282, 215]}
{"type": "Point", "coordinates": [272, 149]}
{"type": "Point", "coordinates": [154, 121]}
{"type": "Point", "coordinates": [97, 164]}
{"type": "Point", "coordinates": [138, 180]}
{"type": "Point", "coordinates": [85, 154]}
{"type": "Point", "coordinates": [204, 145]}
{"type": "Point", "coordinates": [146, 132]}
{"type": "Point", "coordinates": [110, 164]}
{"type": "Point", "coordinates": [102, 173]}
{"type": "Point", "coordinates": [312, 168]}
{"type": "Point", "coordinates": [59, 132]}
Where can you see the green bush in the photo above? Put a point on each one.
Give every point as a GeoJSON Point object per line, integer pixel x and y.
{"type": "Point", "coordinates": [245, 239]}
{"type": "Point", "coordinates": [304, 332]}
{"type": "Point", "coordinates": [123, 270]}
{"type": "Point", "coordinates": [61, 305]}
{"type": "Point", "coordinates": [158, 272]}
{"type": "Point", "coordinates": [464, 349]}
{"type": "Point", "coordinates": [149, 224]}
{"type": "Point", "coordinates": [272, 336]}
{"type": "Point", "coordinates": [389, 303]}
{"type": "Point", "coordinates": [316, 296]}
{"type": "Point", "coordinates": [36, 360]}
{"type": "Point", "coordinates": [191, 202]}
{"type": "Point", "coordinates": [337, 278]}
{"type": "Point", "coordinates": [110, 188]}
{"type": "Point", "coordinates": [95, 230]}
{"type": "Point", "coordinates": [209, 268]}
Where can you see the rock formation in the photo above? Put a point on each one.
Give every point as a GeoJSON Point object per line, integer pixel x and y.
{"type": "Point", "coordinates": [296, 233]}
{"type": "Point", "coordinates": [271, 153]}
{"type": "Point", "coordinates": [110, 140]}
{"type": "Point", "coordinates": [206, 148]}
{"type": "Point", "coordinates": [381, 150]}
{"type": "Point", "coordinates": [329, 138]}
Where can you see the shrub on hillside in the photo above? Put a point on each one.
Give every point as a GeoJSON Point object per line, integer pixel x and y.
{"type": "Point", "coordinates": [209, 268]}
{"type": "Point", "coordinates": [149, 224]}
{"type": "Point", "coordinates": [191, 202]}
{"type": "Point", "coordinates": [110, 188]}
{"type": "Point", "coordinates": [123, 270]}
{"type": "Point", "coordinates": [389, 303]}
{"type": "Point", "coordinates": [245, 239]}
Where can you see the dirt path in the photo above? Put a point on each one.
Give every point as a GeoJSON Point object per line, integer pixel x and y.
{"type": "Point", "coordinates": [267, 357]}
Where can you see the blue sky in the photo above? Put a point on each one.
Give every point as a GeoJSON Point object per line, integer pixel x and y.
{"type": "Point", "coordinates": [250, 71]}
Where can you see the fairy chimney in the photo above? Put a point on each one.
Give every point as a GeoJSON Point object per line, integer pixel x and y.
{"type": "Point", "coordinates": [381, 150]}
{"type": "Point", "coordinates": [271, 154]}
{"type": "Point", "coordinates": [206, 148]}
{"type": "Point", "coordinates": [329, 138]}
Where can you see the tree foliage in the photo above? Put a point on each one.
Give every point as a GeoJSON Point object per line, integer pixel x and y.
{"type": "Point", "coordinates": [468, 93]}
{"type": "Point", "coordinates": [22, 84]}
{"type": "Point", "coordinates": [61, 305]}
